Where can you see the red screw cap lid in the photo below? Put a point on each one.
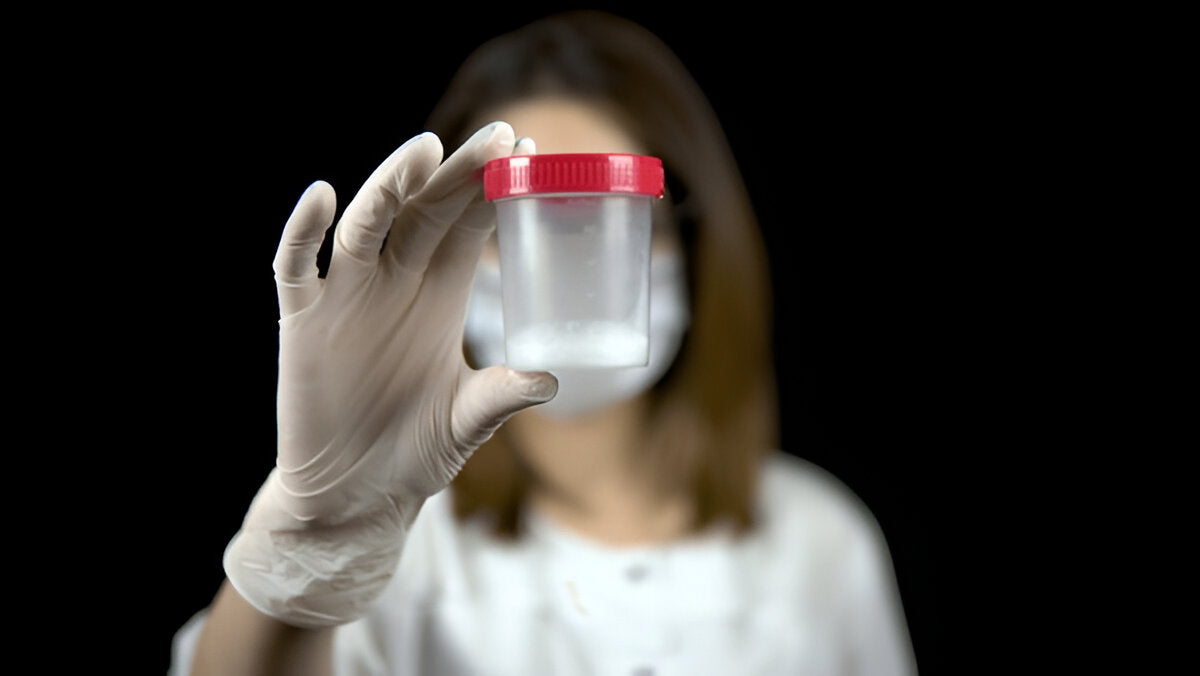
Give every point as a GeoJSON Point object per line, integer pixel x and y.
{"type": "Point", "coordinates": [520, 175]}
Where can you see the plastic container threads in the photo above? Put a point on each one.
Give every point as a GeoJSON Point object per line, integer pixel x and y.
{"type": "Point", "coordinates": [574, 234]}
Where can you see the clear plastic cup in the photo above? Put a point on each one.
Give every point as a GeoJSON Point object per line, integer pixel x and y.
{"type": "Point", "coordinates": [574, 234]}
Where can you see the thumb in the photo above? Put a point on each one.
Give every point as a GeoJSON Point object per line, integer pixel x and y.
{"type": "Point", "coordinates": [490, 396]}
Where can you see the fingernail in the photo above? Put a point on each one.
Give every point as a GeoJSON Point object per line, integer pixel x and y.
{"type": "Point", "coordinates": [539, 386]}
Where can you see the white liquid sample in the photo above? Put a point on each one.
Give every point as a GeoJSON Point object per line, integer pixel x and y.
{"type": "Point", "coordinates": [577, 344]}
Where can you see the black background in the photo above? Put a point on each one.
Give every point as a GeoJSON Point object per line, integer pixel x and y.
{"type": "Point", "coordinates": [865, 140]}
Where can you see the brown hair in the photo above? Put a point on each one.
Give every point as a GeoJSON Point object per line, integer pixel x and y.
{"type": "Point", "coordinates": [716, 408]}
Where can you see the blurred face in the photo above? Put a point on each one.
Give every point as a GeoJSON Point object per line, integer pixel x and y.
{"type": "Point", "coordinates": [561, 125]}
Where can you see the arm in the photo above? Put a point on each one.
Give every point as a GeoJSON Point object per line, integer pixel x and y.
{"type": "Point", "coordinates": [377, 408]}
{"type": "Point", "coordinates": [237, 639]}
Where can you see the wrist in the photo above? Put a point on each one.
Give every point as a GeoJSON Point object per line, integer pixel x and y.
{"type": "Point", "coordinates": [315, 572]}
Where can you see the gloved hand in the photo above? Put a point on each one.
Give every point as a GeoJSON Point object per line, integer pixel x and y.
{"type": "Point", "coordinates": [377, 408]}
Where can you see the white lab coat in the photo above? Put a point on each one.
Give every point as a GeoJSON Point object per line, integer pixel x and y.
{"type": "Point", "coordinates": [810, 591]}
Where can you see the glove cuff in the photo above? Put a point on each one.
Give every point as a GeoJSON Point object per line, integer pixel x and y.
{"type": "Point", "coordinates": [313, 575]}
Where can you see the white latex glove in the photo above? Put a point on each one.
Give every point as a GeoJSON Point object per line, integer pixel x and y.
{"type": "Point", "coordinates": [377, 407]}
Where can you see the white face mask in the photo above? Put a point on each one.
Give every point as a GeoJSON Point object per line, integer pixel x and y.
{"type": "Point", "coordinates": [586, 391]}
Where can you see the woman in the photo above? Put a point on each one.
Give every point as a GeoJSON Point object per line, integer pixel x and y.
{"type": "Point", "coordinates": [434, 512]}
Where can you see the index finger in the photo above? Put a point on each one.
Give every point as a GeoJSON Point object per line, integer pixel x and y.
{"type": "Point", "coordinates": [444, 198]}
{"type": "Point", "coordinates": [369, 217]}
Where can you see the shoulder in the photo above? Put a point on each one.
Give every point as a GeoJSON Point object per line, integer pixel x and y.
{"type": "Point", "coordinates": [826, 553]}
{"type": "Point", "coordinates": [789, 481]}
{"type": "Point", "coordinates": [802, 505]}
